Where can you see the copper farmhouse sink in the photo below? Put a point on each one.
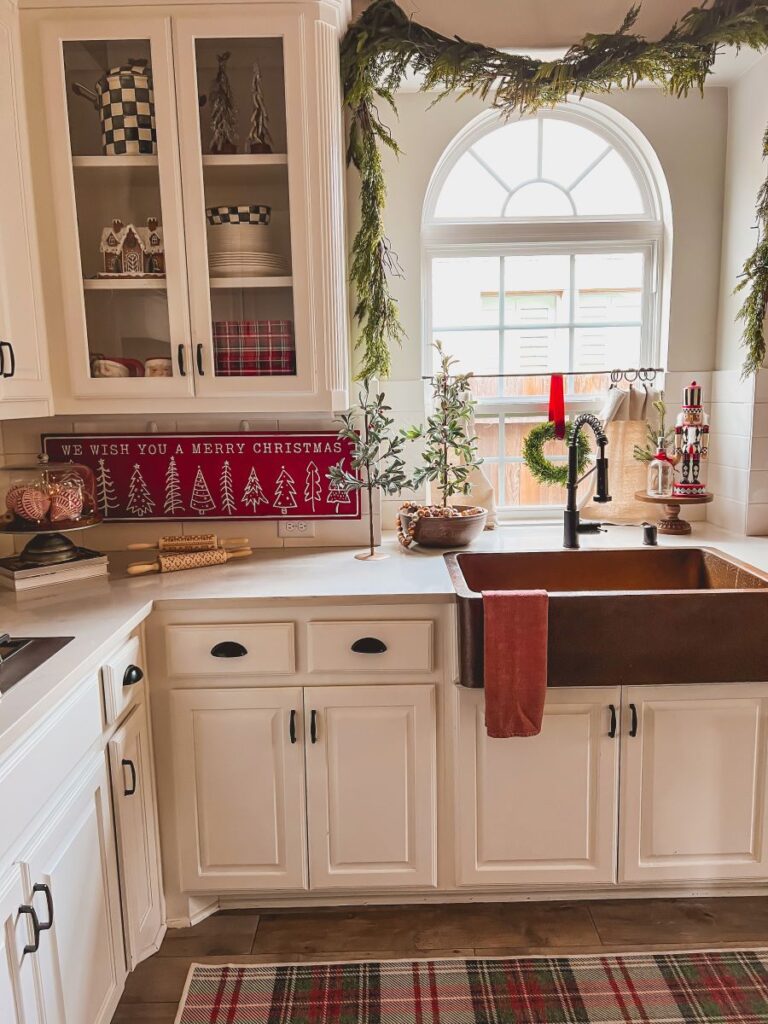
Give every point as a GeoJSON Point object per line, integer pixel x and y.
{"type": "Point", "coordinates": [649, 615]}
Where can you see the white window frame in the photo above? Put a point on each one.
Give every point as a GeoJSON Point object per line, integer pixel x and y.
{"type": "Point", "coordinates": [649, 233]}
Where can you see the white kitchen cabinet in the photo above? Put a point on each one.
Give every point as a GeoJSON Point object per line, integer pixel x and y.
{"type": "Point", "coordinates": [539, 810]}
{"type": "Point", "coordinates": [80, 959]}
{"type": "Point", "coordinates": [239, 778]}
{"type": "Point", "coordinates": [24, 380]}
{"type": "Point", "coordinates": [18, 999]}
{"type": "Point", "coordinates": [133, 797]}
{"type": "Point", "coordinates": [371, 786]}
{"type": "Point", "coordinates": [693, 794]}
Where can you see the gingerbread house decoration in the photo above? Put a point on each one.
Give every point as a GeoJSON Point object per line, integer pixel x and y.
{"type": "Point", "coordinates": [129, 251]}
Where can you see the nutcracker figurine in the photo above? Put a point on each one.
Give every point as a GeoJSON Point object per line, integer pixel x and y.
{"type": "Point", "coordinates": [691, 444]}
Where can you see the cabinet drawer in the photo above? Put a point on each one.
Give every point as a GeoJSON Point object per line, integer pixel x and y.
{"type": "Point", "coordinates": [249, 649]}
{"type": "Point", "coordinates": [371, 646]}
{"type": "Point", "coordinates": [121, 677]}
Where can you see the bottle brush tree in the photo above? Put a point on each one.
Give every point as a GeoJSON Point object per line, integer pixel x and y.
{"type": "Point", "coordinates": [223, 110]}
{"type": "Point", "coordinates": [377, 463]}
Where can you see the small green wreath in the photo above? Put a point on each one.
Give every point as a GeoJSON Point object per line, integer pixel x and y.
{"type": "Point", "coordinates": [541, 468]}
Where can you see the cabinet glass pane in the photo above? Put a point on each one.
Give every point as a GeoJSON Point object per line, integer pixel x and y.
{"type": "Point", "coordinates": [247, 205]}
{"type": "Point", "coordinates": [114, 143]}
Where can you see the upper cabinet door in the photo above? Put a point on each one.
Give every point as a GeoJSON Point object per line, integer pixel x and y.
{"type": "Point", "coordinates": [248, 148]}
{"type": "Point", "coordinates": [371, 786]}
{"type": "Point", "coordinates": [115, 174]}
{"type": "Point", "coordinates": [693, 769]}
{"type": "Point", "coordinates": [23, 362]}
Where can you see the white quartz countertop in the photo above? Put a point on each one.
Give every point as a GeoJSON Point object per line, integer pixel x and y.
{"type": "Point", "coordinates": [96, 613]}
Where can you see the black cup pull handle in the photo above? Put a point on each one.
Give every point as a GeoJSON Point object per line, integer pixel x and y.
{"type": "Point", "coordinates": [180, 360]}
{"type": "Point", "coordinates": [229, 649]}
{"type": "Point", "coordinates": [292, 726]}
{"type": "Point", "coordinates": [12, 370]}
{"type": "Point", "coordinates": [36, 929]}
{"type": "Point", "coordinates": [369, 645]}
{"type": "Point", "coordinates": [633, 724]}
{"type": "Point", "coordinates": [2, 359]}
{"type": "Point", "coordinates": [313, 726]}
{"type": "Point", "coordinates": [614, 721]}
{"type": "Point", "coordinates": [199, 353]}
{"type": "Point", "coordinates": [132, 675]}
{"type": "Point", "coordinates": [42, 887]}
{"type": "Point", "coordinates": [129, 790]}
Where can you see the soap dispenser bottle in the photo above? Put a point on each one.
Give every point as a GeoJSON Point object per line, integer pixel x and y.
{"type": "Point", "coordinates": [661, 473]}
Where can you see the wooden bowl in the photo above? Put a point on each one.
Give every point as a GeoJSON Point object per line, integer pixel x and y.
{"type": "Point", "coordinates": [442, 531]}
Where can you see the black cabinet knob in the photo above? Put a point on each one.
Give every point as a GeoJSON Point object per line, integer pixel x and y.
{"type": "Point", "coordinates": [132, 675]}
{"type": "Point", "coordinates": [369, 645]}
{"type": "Point", "coordinates": [229, 649]}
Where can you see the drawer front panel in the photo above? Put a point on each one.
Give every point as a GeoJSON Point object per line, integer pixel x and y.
{"type": "Point", "coordinates": [248, 649]}
{"type": "Point", "coordinates": [371, 646]}
{"type": "Point", "coordinates": [32, 773]}
{"type": "Point", "coordinates": [121, 678]}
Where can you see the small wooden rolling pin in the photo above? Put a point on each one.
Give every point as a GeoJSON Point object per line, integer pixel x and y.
{"type": "Point", "coordinates": [195, 542]}
{"type": "Point", "coordinates": [186, 560]}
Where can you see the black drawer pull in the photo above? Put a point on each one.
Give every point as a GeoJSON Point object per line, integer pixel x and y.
{"type": "Point", "coordinates": [612, 729]}
{"type": "Point", "coordinates": [313, 726]}
{"type": "Point", "coordinates": [229, 649]}
{"type": "Point", "coordinates": [199, 353]}
{"type": "Point", "coordinates": [42, 887]}
{"type": "Point", "coordinates": [292, 726]}
{"type": "Point", "coordinates": [129, 790]}
{"type": "Point", "coordinates": [12, 370]}
{"type": "Point", "coordinates": [180, 360]}
{"type": "Point", "coordinates": [132, 675]}
{"type": "Point", "coordinates": [369, 645]}
{"type": "Point", "coordinates": [633, 726]}
{"type": "Point", "coordinates": [36, 929]}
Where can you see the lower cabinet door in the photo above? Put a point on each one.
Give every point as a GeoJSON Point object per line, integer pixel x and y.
{"type": "Point", "coordinates": [693, 791]}
{"type": "Point", "coordinates": [539, 810]}
{"type": "Point", "coordinates": [371, 781]}
{"type": "Point", "coordinates": [239, 777]}
{"type": "Point", "coordinates": [18, 997]}
{"type": "Point", "coordinates": [70, 876]}
{"type": "Point", "coordinates": [133, 797]}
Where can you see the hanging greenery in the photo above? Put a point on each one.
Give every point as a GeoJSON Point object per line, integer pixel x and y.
{"type": "Point", "coordinates": [755, 278]}
{"type": "Point", "coordinates": [542, 469]}
{"type": "Point", "coordinates": [384, 43]}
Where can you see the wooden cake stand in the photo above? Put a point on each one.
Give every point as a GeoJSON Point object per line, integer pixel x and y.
{"type": "Point", "coordinates": [671, 522]}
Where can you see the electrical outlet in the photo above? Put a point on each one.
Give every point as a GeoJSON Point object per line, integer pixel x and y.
{"type": "Point", "coordinates": [295, 528]}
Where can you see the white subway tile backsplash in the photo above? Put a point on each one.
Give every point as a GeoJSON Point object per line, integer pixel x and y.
{"type": "Point", "coordinates": [730, 386]}
{"type": "Point", "coordinates": [732, 418]}
{"type": "Point", "coordinates": [729, 482]}
{"type": "Point", "coordinates": [728, 514]}
{"type": "Point", "coordinates": [761, 385]}
{"type": "Point", "coordinates": [759, 453]}
{"type": "Point", "coordinates": [758, 487]}
{"type": "Point", "coordinates": [760, 420]}
{"type": "Point", "coordinates": [730, 450]}
{"type": "Point", "coordinates": [757, 520]}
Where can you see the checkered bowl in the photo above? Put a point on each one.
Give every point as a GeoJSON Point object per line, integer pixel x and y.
{"type": "Point", "coordinates": [238, 215]}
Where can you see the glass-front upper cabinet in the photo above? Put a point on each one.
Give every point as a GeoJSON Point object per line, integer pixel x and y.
{"type": "Point", "coordinates": [243, 199]}
{"type": "Point", "coordinates": [116, 173]}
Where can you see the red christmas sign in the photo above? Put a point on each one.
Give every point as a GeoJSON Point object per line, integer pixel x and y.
{"type": "Point", "coordinates": [212, 476]}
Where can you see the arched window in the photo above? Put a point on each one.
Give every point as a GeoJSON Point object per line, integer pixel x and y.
{"type": "Point", "coordinates": [545, 240]}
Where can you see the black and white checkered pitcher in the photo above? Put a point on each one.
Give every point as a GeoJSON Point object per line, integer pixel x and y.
{"type": "Point", "coordinates": [125, 100]}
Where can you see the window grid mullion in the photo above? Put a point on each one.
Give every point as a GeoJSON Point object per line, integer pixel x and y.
{"type": "Point", "coordinates": [500, 382]}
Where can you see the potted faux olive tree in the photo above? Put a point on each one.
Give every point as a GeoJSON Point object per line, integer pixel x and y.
{"type": "Point", "coordinates": [377, 463]}
{"type": "Point", "coordinates": [449, 455]}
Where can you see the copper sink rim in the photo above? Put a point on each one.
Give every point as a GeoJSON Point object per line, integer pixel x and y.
{"type": "Point", "coordinates": [462, 589]}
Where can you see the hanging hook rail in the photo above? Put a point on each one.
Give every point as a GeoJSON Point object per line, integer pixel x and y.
{"type": "Point", "coordinates": [646, 374]}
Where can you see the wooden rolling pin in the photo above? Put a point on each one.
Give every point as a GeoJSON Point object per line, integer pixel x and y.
{"type": "Point", "coordinates": [198, 542]}
{"type": "Point", "coordinates": [187, 560]}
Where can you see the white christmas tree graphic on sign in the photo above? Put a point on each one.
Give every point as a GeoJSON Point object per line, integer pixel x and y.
{"type": "Point", "coordinates": [139, 499]}
{"type": "Point", "coordinates": [312, 488]}
{"type": "Point", "coordinates": [227, 497]}
{"type": "Point", "coordinates": [173, 504]}
{"type": "Point", "coordinates": [105, 489]}
{"type": "Point", "coordinates": [253, 494]}
{"type": "Point", "coordinates": [285, 491]}
{"type": "Point", "coordinates": [201, 500]}
{"type": "Point", "coordinates": [338, 494]}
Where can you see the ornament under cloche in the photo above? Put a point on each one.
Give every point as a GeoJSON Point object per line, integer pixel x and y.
{"type": "Point", "coordinates": [691, 444]}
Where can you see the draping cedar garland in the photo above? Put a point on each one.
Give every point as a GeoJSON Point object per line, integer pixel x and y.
{"type": "Point", "coordinates": [384, 43]}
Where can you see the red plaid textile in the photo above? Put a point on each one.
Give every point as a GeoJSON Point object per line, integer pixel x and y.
{"type": "Point", "coordinates": [254, 348]}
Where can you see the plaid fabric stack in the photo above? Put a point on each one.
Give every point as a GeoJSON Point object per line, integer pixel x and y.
{"type": "Point", "coordinates": [254, 348]}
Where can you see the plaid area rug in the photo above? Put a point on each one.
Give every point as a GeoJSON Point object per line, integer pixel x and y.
{"type": "Point", "coordinates": [724, 987]}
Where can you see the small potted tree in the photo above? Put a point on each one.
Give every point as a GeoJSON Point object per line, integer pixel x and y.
{"type": "Point", "coordinates": [377, 463]}
{"type": "Point", "coordinates": [449, 456]}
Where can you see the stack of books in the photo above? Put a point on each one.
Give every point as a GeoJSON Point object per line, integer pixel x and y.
{"type": "Point", "coordinates": [18, 575]}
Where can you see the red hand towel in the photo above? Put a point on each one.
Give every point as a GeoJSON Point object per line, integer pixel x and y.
{"type": "Point", "coordinates": [515, 624]}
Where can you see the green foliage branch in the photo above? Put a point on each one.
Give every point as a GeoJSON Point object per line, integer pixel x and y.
{"type": "Point", "coordinates": [384, 44]}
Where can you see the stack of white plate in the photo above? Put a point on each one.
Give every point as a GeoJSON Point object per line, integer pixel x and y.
{"type": "Point", "coordinates": [247, 264]}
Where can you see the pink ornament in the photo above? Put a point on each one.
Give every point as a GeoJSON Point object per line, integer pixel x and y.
{"type": "Point", "coordinates": [32, 504]}
{"type": "Point", "coordinates": [66, 503]}
{"type": "Point", "coordinates": [12, 497]}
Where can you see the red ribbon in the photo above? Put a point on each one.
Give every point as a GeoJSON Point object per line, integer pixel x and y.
{"type": "Point", "coordinates": [557, 405]}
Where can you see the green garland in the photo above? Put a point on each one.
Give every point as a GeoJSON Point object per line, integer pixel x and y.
{"type": "Point", "coordinates": [541, 468]}
{"type": "Point", "coordinates": [755, 278]}
{"type": "Point", "coordinates": [384, 44]}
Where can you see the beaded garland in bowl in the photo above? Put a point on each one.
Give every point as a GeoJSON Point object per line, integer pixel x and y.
{"type": "Point", "coordinates": [439, 526]}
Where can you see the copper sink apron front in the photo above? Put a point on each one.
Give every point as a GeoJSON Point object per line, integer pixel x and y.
{"type": "Point", "coordinates": [711, 627]}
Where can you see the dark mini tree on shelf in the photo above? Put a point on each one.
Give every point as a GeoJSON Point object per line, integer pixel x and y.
{"type": "Point", "coordinates": [223, 110]}
{"type": "Point", "coordinates": [259, 136]}
{"type": "Point", "coordinates": [377, 463]}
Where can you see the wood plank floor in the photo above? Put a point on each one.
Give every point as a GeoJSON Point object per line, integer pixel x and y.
{"type": "Point", "coordinates": [488, 929]}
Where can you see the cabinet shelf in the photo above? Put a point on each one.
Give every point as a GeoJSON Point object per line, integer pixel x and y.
{"type": "Point", "coordinates": [128, 284]}
{"type": "Point", "coordinates": [113, 162]}
{"type": "Point", "coordinates": [245, 160]}
{"type": "Point", "coordinates": [251, 282]}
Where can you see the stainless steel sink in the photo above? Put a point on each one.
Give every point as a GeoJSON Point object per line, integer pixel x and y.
{"type": "Point", "coordinates": [649, 615]}
{"type": "Point", "coordinates": [20, 655]}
